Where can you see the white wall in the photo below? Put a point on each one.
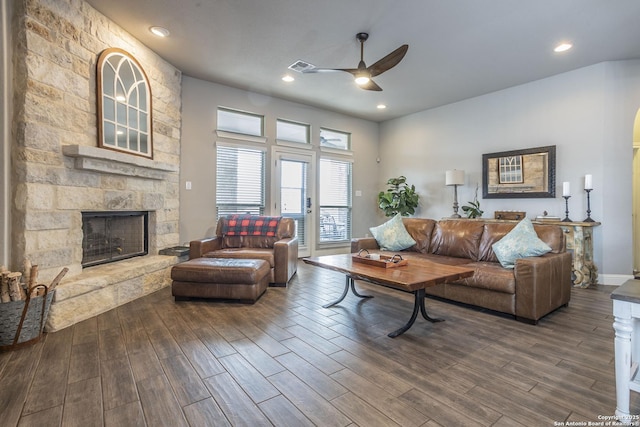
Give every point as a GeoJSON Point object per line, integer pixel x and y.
{"type": "Point", "coordinates": [587, 113]}
{"type": "Point", "coordinates": [200, 100]}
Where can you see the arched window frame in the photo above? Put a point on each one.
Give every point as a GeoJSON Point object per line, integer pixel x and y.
{"type": "Point", "coordinates": [124, 122]}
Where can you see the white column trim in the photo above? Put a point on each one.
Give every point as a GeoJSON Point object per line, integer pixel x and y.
{"type": "Point", "coordinates": [5, 134]}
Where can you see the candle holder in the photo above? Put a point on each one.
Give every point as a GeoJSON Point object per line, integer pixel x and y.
{"type": "Point", "coordinates": [588, 219]}
{"type": "Point", "coordinates": [566, 212]}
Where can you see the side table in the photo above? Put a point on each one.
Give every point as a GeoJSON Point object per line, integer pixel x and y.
{"type": "Point", "coordinates": [580, 241]}
{"type": "Point", "coordinates": [626, 312]}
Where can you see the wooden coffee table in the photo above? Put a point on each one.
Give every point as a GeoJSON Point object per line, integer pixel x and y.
{"type": "Point", "coordinates": [413, 277]}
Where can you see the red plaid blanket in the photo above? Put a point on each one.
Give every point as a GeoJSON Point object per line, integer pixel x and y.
{"type": "Point", "coordinates": [251, 225]}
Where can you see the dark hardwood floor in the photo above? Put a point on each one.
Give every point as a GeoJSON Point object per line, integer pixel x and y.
{"type": "Point", "coordinates": [286, 361]}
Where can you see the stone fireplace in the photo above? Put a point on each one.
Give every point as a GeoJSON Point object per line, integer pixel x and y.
{"type": "Point", "coordinates": [59, 172]}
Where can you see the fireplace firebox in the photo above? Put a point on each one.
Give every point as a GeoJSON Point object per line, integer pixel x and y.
{"type": "Point", "coordinates": [114, 236]}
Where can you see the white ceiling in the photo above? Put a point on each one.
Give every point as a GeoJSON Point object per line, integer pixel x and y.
{"type": "Point", "coordinates": [458, 49]}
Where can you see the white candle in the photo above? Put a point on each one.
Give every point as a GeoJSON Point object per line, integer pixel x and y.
{"type": "Point", "coordinates": [566, 189]}
{"type": "Point", "coordinates": [588, 182]}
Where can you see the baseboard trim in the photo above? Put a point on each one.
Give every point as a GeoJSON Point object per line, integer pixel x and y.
{"type": "Point", "coordinates": [613, 279]}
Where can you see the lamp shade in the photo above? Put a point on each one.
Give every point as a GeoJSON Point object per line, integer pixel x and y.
{"type": "Point", "coordinates": [454, 177]}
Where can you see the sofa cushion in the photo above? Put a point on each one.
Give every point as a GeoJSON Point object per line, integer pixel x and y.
{"type": "Point", "coordinates": [392, 235]}
{"type": "Point", "coordinates": [420, 230]}
{"type": "Point", "coordinates": [456, 238]}
{"type": "Point", "coordinates": [244, 253]}
{"type": "Point", "coordinates": [552, 235]}
{"type": "Point", "coordinates": [492, 233]}
{"type": "Point", "coordinates": [521, 242]}
{"type": "Point", "coordinates": [490, 275]}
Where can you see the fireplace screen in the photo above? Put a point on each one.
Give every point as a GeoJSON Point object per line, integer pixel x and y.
{"type": "Point", "coordinates": [113, 236]}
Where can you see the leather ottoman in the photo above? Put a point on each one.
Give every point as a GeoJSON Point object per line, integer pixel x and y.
{"type": "Point", "coordinates": [244, 280]}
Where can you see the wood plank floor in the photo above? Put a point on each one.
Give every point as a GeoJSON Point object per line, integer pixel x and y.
{"type": "Point", "coordinates": [286, 361]}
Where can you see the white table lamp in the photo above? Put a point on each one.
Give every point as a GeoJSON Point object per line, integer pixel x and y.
{"type": "Point", "coordinates": [455, 177]}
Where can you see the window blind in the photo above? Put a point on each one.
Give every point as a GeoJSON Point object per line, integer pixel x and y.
{"type": "Point", "coordinates": [239, 180]}
{"type": "Point", "coordinates": [335, 200]}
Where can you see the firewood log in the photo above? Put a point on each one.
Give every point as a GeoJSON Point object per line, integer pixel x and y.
{"type": "Point", "coordinates": [37, 290]}
{"type": "Point", "coordinates": [26, 271]}
{"type": "Point", "coordinates": [4, 287]}
{"type": "Point", "coordinates": [16, 292]}
{"type": "Point", "coordinates": [33, 276]}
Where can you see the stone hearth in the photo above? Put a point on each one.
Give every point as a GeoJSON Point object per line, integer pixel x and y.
{"type": "Point", "coordinates": [104, 287]}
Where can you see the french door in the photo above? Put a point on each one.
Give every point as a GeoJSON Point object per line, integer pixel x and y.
{"type": "Point", "coordinates": [292, 192]}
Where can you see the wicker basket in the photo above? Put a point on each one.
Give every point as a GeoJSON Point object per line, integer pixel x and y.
{"type": "Point", "coordinates": [22, 322]}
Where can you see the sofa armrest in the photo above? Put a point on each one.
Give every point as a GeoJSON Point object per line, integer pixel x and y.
{"type": "Point", "coordinates": [197, 248]}
{"type": "Point", "coordinates": [285, 254]}
{"type": "Point", "coordinates": [358, 243]}
{"type": "Point", "coordinates": [542, 284]}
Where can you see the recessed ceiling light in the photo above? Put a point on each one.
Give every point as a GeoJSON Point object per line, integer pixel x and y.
{"type": "Point", "coordinates": [160, 31]}
{"type": "Point", "coordinates": [287, 78]}
{"type": "Point", "coordinates": [563, 47]}
{"type": "Point", "coordinates": [381, 106]}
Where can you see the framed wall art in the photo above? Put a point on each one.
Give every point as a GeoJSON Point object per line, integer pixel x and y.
{"type": "Point", "coordinates": [528, 173]}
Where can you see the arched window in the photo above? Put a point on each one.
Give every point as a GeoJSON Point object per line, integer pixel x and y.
{"type": "Point", "coordinates": [124, 104]}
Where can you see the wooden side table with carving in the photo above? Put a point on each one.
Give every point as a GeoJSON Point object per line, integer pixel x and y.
{"type": "Point", "coordinates": [580, 241]}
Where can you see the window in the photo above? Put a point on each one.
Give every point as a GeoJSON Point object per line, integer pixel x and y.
{"type": "Point", "coordinates": [291, 131]}
{"type": "Point", "coordinates": [335, 139]}
{"type": "Point", "coordinates": [240, 122]}
{"type": "Point", "coordinates": [239, 180]}
{"type": "Point", "coordinates": [511, 170]}
{"type": "Point", "coordinates": [335, 200]}
{"type": "Point", "coordinates": [124, 104]}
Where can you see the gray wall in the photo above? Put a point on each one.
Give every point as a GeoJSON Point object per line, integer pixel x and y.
{"type": "Point", "coordinates": [587, 113]}
{"type": "Point", "coordinates": [200, 100]}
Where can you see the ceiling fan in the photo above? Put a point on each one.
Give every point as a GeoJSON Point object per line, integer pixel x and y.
{"type": "Point", "coordinates": [363, 74]}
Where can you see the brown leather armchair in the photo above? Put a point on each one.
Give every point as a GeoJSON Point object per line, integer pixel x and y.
{"type": "Point", "coordinates": [280, 250]}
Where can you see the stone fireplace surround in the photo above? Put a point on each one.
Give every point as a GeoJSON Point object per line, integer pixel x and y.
{"type": "Point", "coordinates": [98, 289]}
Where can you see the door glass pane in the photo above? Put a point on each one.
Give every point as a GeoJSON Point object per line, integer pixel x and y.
{"type": "Point", "coordinates": [293, 195]}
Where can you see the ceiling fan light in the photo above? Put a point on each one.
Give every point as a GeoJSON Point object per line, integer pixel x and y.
{"type": "Point", "coordinates": [362, 79]}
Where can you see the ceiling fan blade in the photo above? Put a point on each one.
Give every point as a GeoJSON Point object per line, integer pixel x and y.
{"type": "Point", "coordinates": [389, 61]}
{"type": "Point", "coordinates": [371, 85]}
{"type": "Point", "coordinates": [330, 70]}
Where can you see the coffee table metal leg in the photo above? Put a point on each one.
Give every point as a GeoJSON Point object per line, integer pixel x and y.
{"type": "Point", "coordinates": [418, 305]}
{"type": "Point", "coordinates": [353, 289]}
{"type": "Point", "coordinates": [349, 283]}
{"type": "Point", "coordinates": [423, 310]}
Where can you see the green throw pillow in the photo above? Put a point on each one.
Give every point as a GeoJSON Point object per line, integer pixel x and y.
{"type": "Point", "coordinates": [521, 242]}
{"type": "Point", "coordinates": [392, 235]}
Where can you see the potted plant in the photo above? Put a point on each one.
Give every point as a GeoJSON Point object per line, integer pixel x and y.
{"type": "Point", "coordinates": [399, 198]}
{"type": "Point", "coordinates": [472, 209]}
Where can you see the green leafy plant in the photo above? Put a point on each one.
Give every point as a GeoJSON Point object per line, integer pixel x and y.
{"type": "Point", "coordinates": [399, 198]}
{"type": "Point", "coordinates": [472, 209]}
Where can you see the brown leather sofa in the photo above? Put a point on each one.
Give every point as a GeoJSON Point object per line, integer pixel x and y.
{"type": "Point", "coordinates": [534, 288]}
{"type": "Point", "coordinates": [280, 251]}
